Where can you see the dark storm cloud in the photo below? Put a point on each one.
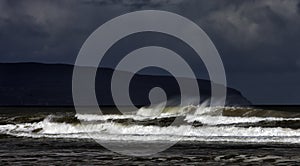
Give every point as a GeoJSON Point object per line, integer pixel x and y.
{"type": "Point", "coordinates": [53, 31]}
{"type": "Point", "coordinates": [30, 29]}
{"type": "Point", "coordinates": [245, 29]}
{"type": "Point", "coordinates": [137, 4]}
{"type": "Point", "coordinates": [255, 38]}
{"type": "Point", "coordinates": [264, 32]}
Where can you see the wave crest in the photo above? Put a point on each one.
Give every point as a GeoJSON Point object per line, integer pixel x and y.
{"type": "Point", "coordinates": [208, 124]}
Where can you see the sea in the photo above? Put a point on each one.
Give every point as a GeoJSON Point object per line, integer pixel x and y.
{"type": "Point", "coordinates": [187, 135]}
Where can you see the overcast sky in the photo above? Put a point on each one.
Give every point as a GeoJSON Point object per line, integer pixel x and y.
{"type": "Point", "coordinates": [258, 41]}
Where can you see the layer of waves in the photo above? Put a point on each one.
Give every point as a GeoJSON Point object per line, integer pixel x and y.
{"type": "Point", "coordinates": [190, 123]}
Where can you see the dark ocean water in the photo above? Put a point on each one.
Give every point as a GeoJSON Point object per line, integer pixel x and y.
{"type": "Point", "coordinates": [45, 151]}
{"type": "Point", "coordinates": [215, 136]}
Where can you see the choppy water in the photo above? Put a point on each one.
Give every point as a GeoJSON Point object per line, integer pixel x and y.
{"type": "Point", "coordinates": [54, 151]}
{"type": "Point", "coordinates": [193, 124]}
{"type": "Point", "coordinates": [205, 135]}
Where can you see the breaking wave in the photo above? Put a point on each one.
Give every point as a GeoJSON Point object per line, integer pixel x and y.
{"type": "Point", "coordinates": [226, 124]}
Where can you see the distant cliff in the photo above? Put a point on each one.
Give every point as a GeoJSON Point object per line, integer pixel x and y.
{"type": "Point", "coordinates": [38, 84]}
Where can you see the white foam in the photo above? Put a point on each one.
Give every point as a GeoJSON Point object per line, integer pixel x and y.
{"type": "Point", "coordinates": [149, 113]}
{"type": "Point", "coordinates": [142, 114]}
{"type": "Point", "coordinates": [102, 129]}
{"type": "Point", "coordinates": [215, 120]}
{"type": "Point", "coordinates": [94, 117]}
{"type": "Point", "coordinates": [113, 131]}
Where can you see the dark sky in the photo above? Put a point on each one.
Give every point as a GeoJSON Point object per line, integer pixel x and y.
{"type": "Point", "coordinates": [258, 41]}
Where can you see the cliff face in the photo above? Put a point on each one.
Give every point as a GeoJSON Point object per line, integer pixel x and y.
{"type": "Point", "coordinates": [51, 84]}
